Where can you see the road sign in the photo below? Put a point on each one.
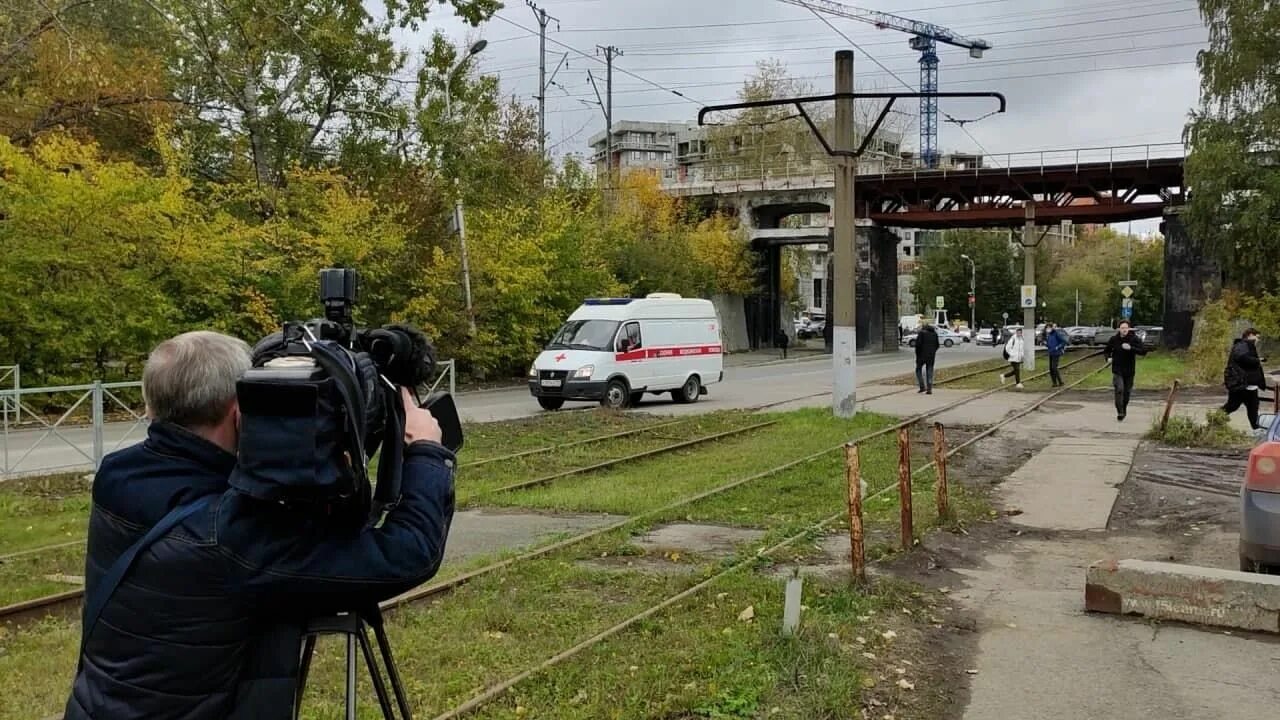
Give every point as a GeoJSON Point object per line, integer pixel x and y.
{"type": "Point", "coordinates": [1004, 315]}
{"type": "Point", "coordinates": [1028, 296]}
{"type": "Point", "coordinates": [1127, 304]}
{"type": "Point", "coordinates": [1127, 292]}
{"type": "Point", "coordinates": [1128, 283]}
{"type": "Point", "coordinates": [1126, 312]}
{"type": "Point", "coordinates": [939, 302]}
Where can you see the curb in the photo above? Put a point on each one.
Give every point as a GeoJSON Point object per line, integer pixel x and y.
{"type": "Point", "coordinates": [1184, 593]}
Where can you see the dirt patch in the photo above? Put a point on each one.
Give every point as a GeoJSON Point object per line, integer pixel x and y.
{"type": "Point", "coordinates": [49, 486]}
{"type": "Point", "coordinates": [1174, 491]}
{"type": "Point", "coordinates": [679, 548]}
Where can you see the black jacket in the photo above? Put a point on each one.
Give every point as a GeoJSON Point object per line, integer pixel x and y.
{"type": "Point", "coordinates": [1244, 367]}
{"type": "Point", "coordinates": [926, 344]}
{"type": "Point", "coordinates": [207, 624]}
{"type": "Point", "coordinates": [1124, 362]}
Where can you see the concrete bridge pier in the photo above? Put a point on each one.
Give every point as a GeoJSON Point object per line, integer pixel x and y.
{"type": "Point", "coordinates": [1191, 279]}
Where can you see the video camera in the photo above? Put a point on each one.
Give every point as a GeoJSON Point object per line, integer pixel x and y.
{"type": "Point", "coordinates": [322, 397]}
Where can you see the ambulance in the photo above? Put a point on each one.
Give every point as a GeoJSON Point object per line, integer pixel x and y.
{"type": "Point", "coordinates": [614, 350]}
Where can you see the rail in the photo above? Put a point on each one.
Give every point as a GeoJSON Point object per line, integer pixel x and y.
{"type": "Point", "coordinates": [8, 406]}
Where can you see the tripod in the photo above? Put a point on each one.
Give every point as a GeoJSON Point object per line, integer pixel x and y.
{"type": "Point", "coordinates": [354, 625]}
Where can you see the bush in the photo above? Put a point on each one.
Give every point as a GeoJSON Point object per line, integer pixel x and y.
{"type": "Point", "coordinates": [1182, 431]}
{"type": "Point", "coordinates": [1221, 322]}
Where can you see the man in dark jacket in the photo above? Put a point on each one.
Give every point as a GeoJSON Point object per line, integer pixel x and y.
{"type": "Point", "coordinates": [1122, 351]}
{"type": "Point", "coordinates": [926, 353]}
{"type": "Point", "coordinates": [1055, 341]}
{"type": "Point", "coordinates": [1243, 377]}
{"type": "Point", "coordinates": [207, 625]}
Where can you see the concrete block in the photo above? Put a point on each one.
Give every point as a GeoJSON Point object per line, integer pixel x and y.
{"type": "Point", "coordinates": [1186, 593]}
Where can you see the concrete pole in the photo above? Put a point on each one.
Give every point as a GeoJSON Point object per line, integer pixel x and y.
{"type": "Point", "coordinates": [1029, 278]}
{"type": "Point", "coordinates": [844, 359]}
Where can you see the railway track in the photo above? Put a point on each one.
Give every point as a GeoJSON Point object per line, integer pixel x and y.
{"type": "Point", "coordinates": [495, 691]}
{"type": "Point", "coordinates": [69, 601]}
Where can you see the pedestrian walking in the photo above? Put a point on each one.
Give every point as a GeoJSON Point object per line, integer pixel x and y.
{"type": "Point", "coordinates": [1055, 341]}
{"type": "Point", "coordinates": [995, 336]}
{"type": "Point", "coordinates": [926, 353]}
{"type": "Point", "coordinates": [1014, 351]}
{"type": "Point", "coordinates": [1122, 352]}
{"type": "Point", "coordinates": [1243, 377]}
{"type": "Point", "coordinates": [782, 341]}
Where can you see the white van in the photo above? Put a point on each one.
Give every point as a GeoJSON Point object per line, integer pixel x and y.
{"type": "Point", "coordinates": [615, 350]}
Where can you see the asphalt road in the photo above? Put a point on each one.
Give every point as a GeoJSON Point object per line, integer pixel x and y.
{"type": "Point", "coordinates": [36, 451]}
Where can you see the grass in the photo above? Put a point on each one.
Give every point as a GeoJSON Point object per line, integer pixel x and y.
{"type": "Point", "coordinates": [29, 576]}
{"type": "Point", "coordinates": [1155, 371]}
{"type": "Point", "coordinates": [1216, 432]}
{"type": "Point", "coordinates": [655, 482]}
{"type": "Point", "coordinates": [696, 659]}
{"type": "Point", "coordinates": [40, 511]}
{"type": "Point", "coordinates": [475, 484]}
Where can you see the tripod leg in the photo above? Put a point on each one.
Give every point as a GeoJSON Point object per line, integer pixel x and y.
{"type": "Point", "coordinates": [384, 644]}
{"type": "Point", "coordinates": [308, 649]}
{"type": "Point", "coordinates": [375, 674]}
{"type": "Point", "coordinates": [351, 676]}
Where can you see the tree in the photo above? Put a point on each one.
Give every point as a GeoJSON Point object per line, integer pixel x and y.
{"type": "Point", "coordinates": [943, 272]}
{"type": "Point", "coordinates": [1233, 169]}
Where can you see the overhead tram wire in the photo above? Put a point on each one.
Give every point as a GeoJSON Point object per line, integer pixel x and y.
{"type": "Point", "coordinates": [623, 71]}
{"type": "Point", "coordinates": [1031, 76]}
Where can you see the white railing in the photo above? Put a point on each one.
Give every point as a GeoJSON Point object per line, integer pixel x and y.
{"type": "Point", "coordinates": [82, 435]}
{"type": "Point", "coordinates": [72, 441]}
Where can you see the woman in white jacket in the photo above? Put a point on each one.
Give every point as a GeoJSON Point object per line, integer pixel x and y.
{"type": "Point", "coordinates": [1013, 351]}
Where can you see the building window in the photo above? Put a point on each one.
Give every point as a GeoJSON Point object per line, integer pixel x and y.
{"type": "Point", "coordinates": [906, 250]}
{"type": "Point", "coordinates": [817, 292]}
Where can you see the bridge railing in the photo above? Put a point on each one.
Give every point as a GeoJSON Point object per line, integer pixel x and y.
{"type": "Point", "coordinates": [731, 179]}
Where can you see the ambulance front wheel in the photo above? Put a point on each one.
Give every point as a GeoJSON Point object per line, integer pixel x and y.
{"type": "Point", "coordinates": [616, 395]}
{"type": "Point", "coordinates": [689, 392]}
{"type": "Point", "coordinates": [551, 403]}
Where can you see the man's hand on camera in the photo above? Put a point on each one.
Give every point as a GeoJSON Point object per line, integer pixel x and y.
{"type": "Point", "coordinates": [419, 423]}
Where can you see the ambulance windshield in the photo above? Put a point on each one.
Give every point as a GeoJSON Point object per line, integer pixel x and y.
{"type": "Point", "coordinates": [585, 335]}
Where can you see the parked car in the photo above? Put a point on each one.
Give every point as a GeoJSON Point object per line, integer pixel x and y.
{"type": "Point", "coordinates": [1080, 334]}
{"type": "Point", "coordinates": [984, 337]}
{"type": "Point", "coordinates": [1149, 335]}
{"type": "Point", "coordinates": [1007, 331]}
{"type": "Point", "coordinates": [1260, 503]}
{"type": "Point", "coordinates": [946, 338]}
{"type": "Point", "coordinates": [1102, 334]}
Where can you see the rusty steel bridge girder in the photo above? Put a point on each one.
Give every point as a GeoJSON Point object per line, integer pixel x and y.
{"type": "Point", "coordinates": [1086, 193]}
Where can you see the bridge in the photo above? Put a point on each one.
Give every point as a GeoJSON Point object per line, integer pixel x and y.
{"type": "Point", "coordinates": [1098, 185]}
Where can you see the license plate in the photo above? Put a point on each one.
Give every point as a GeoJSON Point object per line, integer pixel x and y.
{"type": "Point", "coordinates": [552, 383]}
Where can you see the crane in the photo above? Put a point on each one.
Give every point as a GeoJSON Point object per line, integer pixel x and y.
{"type": "Point", "coordinates": [926, 37]}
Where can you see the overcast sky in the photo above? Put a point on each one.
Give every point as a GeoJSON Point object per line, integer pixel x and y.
{"type": "Point", "coordinates": [1076, 74]}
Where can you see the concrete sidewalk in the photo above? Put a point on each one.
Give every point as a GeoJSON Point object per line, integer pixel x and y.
{"type": "Point", "coordinates": [1039, 654]}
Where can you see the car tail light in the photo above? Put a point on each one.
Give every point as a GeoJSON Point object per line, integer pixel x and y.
{"type": "Point", "coordinates": [1264, 468]}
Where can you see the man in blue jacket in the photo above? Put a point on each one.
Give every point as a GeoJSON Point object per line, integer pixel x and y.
{"type": "Point", "coordinates": [207, 625]}
{"type": "Point", "coordinates": [1055, 341]}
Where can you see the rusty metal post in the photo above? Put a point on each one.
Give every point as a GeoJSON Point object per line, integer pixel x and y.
{"type": "Point", "coordinates": [1275, 391]}
{"type": "Point", "coordinates": [1168, 406]}
{"type": "Point", "coordinates": [940, 463]}
{"type": "Point", "coordinates": [853, 479]}
{"type": "Point", "coordinates": [904, 485]}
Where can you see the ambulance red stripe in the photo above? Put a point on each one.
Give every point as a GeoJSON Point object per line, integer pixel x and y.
{"type": "Point", "coordinates": [655, 353]}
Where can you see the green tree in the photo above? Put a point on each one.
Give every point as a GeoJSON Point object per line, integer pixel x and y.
{"type": "Point", "coordinates": [1234, 164]}
{"type": "Point", "coordinates": [943, 272]}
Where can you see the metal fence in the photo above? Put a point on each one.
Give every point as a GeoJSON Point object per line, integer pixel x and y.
{"type": "Point", "coordinates": [11, 374]}
{"type": "Point", "coordinates": [85, 432]}
{"type": "Point", "coordinates": [77, 439]}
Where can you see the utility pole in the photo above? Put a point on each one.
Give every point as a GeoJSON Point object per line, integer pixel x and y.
{"type": "Point", "coordinates": [609, 52]}
{"type": "Point", "coordinates": [543, 19]}
{"type": "Point", "coordinates": [1077, 307]}
{"type": "Point", "coordinates": [844, 334]}
{"type": "Point", "coordinates": [1029, 278]}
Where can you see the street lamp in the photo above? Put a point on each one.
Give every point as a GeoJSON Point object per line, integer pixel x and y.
{"type": "Point", "coordinates": [457, 195]}
{"type": "Point", "coordinates": [973, 292]}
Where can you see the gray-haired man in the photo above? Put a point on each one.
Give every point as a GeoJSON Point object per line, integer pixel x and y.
{"type": "Point", "coordinates": [208, 623]}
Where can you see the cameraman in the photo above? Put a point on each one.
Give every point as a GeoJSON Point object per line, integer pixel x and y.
{"type": "Point", "coordinates": [208, 622]}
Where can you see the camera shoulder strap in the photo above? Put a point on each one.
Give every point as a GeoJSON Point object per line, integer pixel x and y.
{"type": "Point", "coordinates": [97, 600]}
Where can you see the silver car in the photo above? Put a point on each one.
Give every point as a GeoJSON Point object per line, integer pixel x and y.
{"type": "Point", "coordinates": [1260, 503]}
